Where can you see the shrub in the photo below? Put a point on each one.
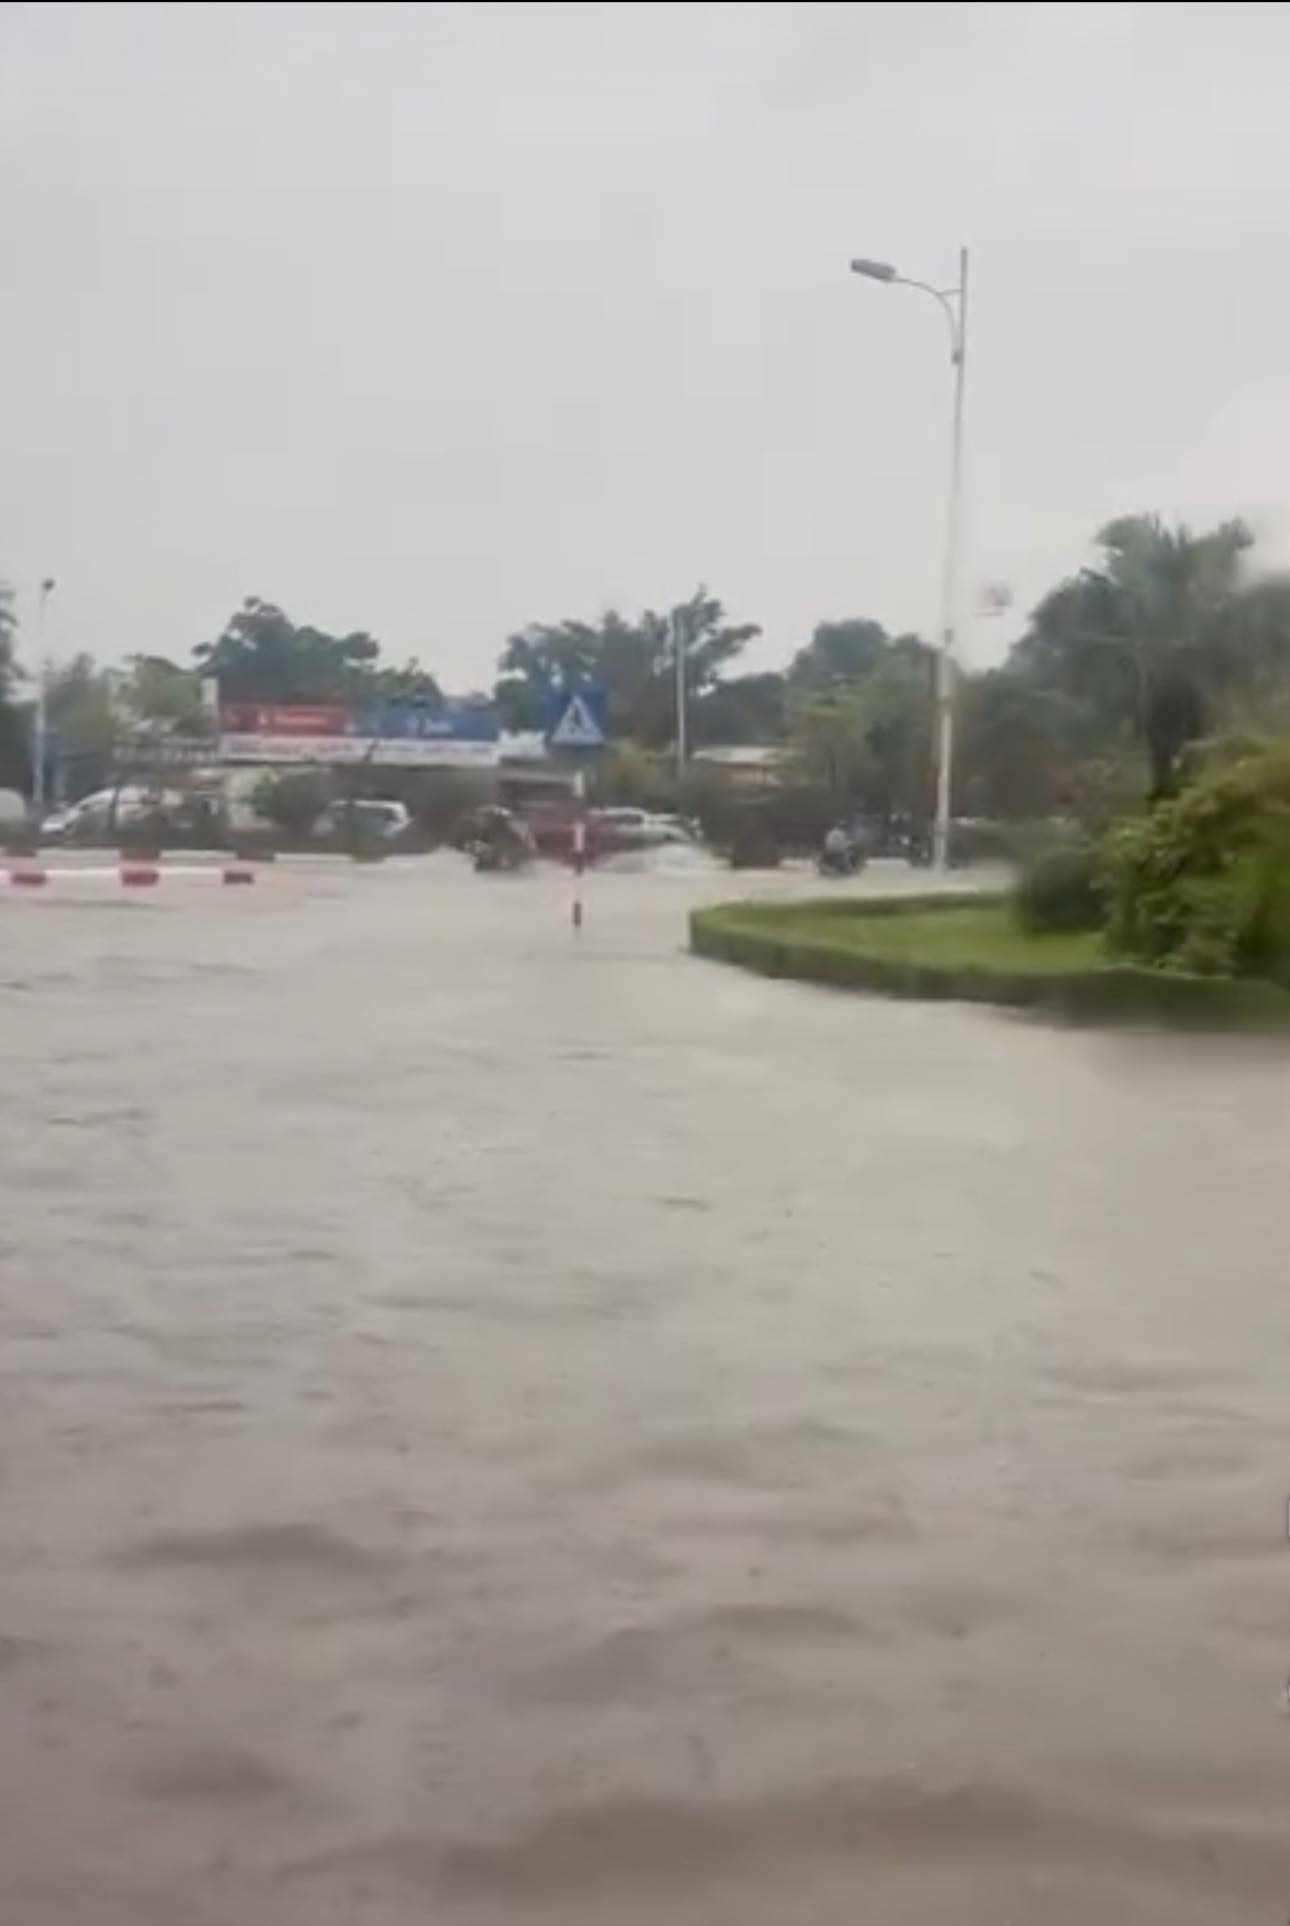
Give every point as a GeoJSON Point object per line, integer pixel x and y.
{"type": "Point", "coordinates": [737, 827]}
{"type": "Point", "coordinates": [778, 820]}
{"type": "Point", "coordinates": [143, 837]}
{"type": "Point", "coordinates": [752, 846]}
{"type": "Point", "coordinates": [292, 800]}
{"type": "Point", "coordinates": [825, 943]}
{"type": "Point", "coordinates": [799, 815]}
{"type": "Point", "coordinates": [438, 799]}
{"type": "Point", "coordinates": [1202, 883]}
{"type": "Point", "coordinates": [638, 777]}
{"type": "Point", "coordinates": [1062, 890]}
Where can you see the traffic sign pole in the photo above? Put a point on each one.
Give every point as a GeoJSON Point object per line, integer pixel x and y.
{"type": "Point", "coordinates": [576, 725]}
{"type": "Point", "coordinates": [579, 846]}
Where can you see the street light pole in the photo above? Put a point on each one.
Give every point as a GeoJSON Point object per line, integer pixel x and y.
{"type": "Point", "coordinates": [953, 303]}
{"type": "Point", "coordinates": [40, 731]}
{"type": "Point", "coordinates": [682, 718]}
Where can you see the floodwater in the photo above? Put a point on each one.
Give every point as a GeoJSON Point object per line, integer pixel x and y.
{"type": "Point", "coordinates": [497, 1429]}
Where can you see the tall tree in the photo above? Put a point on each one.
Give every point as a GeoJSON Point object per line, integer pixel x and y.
{"type": "Point", "coordinates": [634, 662]}
{"type": "Point", "coordinates": [1025, 748]}
{"type": "Point", "coordinates": [8, 638]}
{"type": "Point", "coordinates": [542, 656]}
{"type": "Point", "coordinates": [262, 656]}
{"type": "Point", "coordinates": [838, 653]}
{"type": "Point", "coordinates": [898, 695]}
{"type": "Point", "coordinates": [13, 744]}
{"type": "Point", "coordinates": [411, 683]}
{"type": "Point", "coordinates": [829, 743]}
{"type": "Point", "coordinates": [867, 737]}
{"type": "Point", "coordinates": [155, 694]}
{"type": "Point", "coordinates": [84, 724]}
{"type": "Point", "coordinates": [1157, 630]}
{"type": "Point", "coordinates": [742, 709]}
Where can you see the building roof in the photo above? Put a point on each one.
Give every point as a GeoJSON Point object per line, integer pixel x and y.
{"type": "Point", "coordinates": [741, 755]}
{"type": "Point", "coordinates": [522, 745]}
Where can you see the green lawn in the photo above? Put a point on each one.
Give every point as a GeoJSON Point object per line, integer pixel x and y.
{"type": "Point", "coordinates": [973, 948]}
{"type": "Point", "coordinates": [988, 938]}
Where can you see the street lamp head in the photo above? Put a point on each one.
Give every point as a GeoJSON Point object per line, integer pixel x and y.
{"type": "Point", "coordinates": [874, 270]}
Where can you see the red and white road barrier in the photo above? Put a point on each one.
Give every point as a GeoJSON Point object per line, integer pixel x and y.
{"type": "Point", "coordinates": [128, 875]}
{"type": "Point", "coordinates": [579, 847]}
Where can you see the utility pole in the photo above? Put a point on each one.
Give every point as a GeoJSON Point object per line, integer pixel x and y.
{"type": "Point", "coordinates": [953, 303]}
{"type": "Point", "coordinates": [40, 730]}
{"type": "Point", "coordinates": [682, 694]}
{"type": "Point", "coordinates": [947, 667]}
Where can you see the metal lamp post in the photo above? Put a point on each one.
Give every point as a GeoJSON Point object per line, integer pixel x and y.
{"type": "Point", "coordinates": [682, 694]}
{"type": "Point", "coordinates": [953, 304]}
{"type": "Point", "coordinates": [40, 730]}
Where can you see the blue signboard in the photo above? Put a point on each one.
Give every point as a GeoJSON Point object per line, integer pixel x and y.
{"type": "Point", "coordinates": [428, 722]}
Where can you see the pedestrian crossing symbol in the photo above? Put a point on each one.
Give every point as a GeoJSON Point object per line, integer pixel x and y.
{"type": "Point", "coordinates": [580, 722]}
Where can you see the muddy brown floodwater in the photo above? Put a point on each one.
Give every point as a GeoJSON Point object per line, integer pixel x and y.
{"type": "Point", "coordinates": [499, 1430]}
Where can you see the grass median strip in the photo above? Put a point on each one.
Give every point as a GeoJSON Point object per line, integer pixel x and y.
{"type": "Point", "coordinates": [969, 947]}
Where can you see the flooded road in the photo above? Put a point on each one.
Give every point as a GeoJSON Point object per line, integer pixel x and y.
{"type": "Point", "coordinates": [499, 1430]}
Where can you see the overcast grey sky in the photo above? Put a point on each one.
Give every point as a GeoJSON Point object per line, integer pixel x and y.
{"type": "Point", "coordinates": [438, 319]}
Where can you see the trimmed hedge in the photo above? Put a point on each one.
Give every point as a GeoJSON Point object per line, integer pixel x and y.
{"type": "Point", "coordinates": [794, 940]}
{"type": "Point", "coordinates": [1062, 890]}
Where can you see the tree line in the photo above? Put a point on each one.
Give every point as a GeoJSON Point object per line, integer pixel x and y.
{"type": "Point", "coordinates": [1167, 633]}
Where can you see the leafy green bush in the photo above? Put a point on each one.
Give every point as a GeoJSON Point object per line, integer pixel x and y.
{"type": "Point", "coordinates": [1202, 883]}
{"type": "Point", "coordinates": [753, 847]}
{"type": "Point", "coordinates": [1062, 890]}
{"type": "Point", "coordinates": [970, 947]}
{"type": "Point", "coordinates": [437, 799]}
{"type": "Point", "coordinates": [641, 778]}
{"type": "Point", "coordinates": [142, 837]}
{"type": "Point", "coordinates": [799, 816]}
{"type": "Point", "coordinates": [292, 800]}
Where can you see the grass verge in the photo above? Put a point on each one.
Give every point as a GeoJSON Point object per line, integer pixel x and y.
{"type": "Point", "coordinates": [970, 947]}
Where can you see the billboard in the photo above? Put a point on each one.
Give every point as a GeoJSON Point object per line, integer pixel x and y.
{"type": "Point", "coordinates": [393, 735]}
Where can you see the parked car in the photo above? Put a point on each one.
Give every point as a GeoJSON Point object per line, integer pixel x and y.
{"type": "Point", "coordinates": [372, 816]}
{"type": "Point", "coordinates": [627, 828]}
{"type": "Point", "coordinates": [93, 814]}
{"type": "Point", "coordinates": [620, 828]}
{"type": "Point", "coordinates": [676, 829]}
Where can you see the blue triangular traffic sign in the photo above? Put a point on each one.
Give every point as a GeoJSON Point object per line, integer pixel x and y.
{"type": "Point", "coordinates": [578, 726]}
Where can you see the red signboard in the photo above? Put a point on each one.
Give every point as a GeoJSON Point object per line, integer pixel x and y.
{"type": "Point", "coordinates": [295, 719]}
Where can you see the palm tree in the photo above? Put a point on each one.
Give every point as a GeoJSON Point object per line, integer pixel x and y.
{"type": "Point", "coordinates": [13, 744]}
{"type": "Point", "coordinates": [1156, 632]}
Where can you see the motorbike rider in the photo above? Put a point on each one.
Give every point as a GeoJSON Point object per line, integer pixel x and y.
{"type": "Point", "coordinates": [504, 840]}
{"type": "Point", "coordinates": [838, 850]}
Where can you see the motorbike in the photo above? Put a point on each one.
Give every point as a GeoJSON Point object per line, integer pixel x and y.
{"type": "Point", "coordinates": [841, 862]}
{"type": "Point", "coordinates": [498, 858]}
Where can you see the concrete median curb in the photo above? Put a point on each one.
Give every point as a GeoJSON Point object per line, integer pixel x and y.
{"type": "Point", "coordinates": [128, 874]}
{"type": "Point", "coordinates": [823, 942]}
